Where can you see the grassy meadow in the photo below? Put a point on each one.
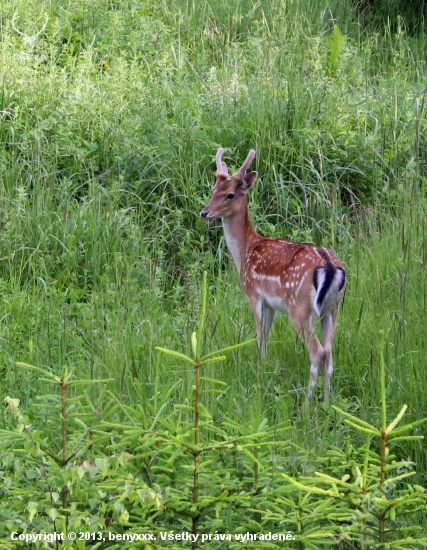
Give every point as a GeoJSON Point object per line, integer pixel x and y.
{"type": "Point", "coordinates": [110, 118]}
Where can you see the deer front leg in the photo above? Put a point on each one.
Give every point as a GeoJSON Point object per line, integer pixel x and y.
{"type": "Point", "coordinates": [264, 317]}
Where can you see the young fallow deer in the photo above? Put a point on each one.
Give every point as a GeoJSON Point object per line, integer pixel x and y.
{"type": "Point", "coordinates": [279, 275]}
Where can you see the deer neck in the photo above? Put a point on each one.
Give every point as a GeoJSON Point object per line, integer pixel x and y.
{"type": "Point", "coordinates": [239, 235]}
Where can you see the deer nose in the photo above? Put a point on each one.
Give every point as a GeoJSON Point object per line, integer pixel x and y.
{"type": "Point", "coordinates": [204, 213]}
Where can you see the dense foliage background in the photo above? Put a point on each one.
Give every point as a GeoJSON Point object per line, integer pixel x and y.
{"type": "Point", "coordinates": [110, 116]}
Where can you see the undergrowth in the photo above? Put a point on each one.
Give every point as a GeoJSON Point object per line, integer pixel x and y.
{"type": "Point", "coordinates": [172, 468]}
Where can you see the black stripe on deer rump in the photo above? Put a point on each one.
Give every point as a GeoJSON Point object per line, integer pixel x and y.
{"type": "Point", "coordinates": [326, 278]}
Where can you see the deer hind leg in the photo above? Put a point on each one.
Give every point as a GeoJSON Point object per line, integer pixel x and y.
{"type": "Point", "coordinates": [328, 327]}
{"type": "Point", "coordinates": [305, 329]}
{"type": "Point", "coordinates": [264, 317]}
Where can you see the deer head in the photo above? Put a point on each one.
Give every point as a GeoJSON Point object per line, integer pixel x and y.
{"type": "Point", "coordinates": [229, 192]}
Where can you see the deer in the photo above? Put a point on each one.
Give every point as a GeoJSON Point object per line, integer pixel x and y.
{"type": "Point", "coordinates": [299, 279]}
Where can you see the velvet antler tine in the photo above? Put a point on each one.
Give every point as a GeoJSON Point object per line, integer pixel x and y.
{"type": "Point", "coordinates": [240, 173]}
{"type": "Point", "coordinates": [221, 167]}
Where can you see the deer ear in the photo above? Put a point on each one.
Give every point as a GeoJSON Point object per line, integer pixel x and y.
{"type": "Point", "coordinates": [248, 181]}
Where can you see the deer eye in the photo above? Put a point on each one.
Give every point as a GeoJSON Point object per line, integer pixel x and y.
{"type": "Point", "coordinates": [230, 196]}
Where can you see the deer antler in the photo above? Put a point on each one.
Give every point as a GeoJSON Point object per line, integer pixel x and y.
{"type": "Point", "coordinates": [240, 173]}
{"type": "Point", "coordinates": [28, 39]}
{"type": "Point", "coordinates": [221, 167]}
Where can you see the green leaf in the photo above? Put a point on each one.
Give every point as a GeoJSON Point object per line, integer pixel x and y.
{"type": "Point", "coordinates": [407, 427]}
{"type": "Point", "coordinates": [52, 513]}
{"type": "Point", "coordinates": [356, 420]}
{"type": "Point", "coordinates": [32, 509]}
{"type": "Point", "coordinates": [251, 456]}
{"type": "Point", "coordinates": [213, 381]}
{"type": "Point", "coordinates": [361, 428]}
{"type": "Point", "coordinates": [175, 354]}
{"type": "Point", "coordinates": [229, 348]}
{"type": "Point", "coordinates": [336, 43]}
{"type": "Point", "coordinates": [158, 415]}
{"type": "Point", "coordinates": [74, 383]}
{"type": "Point", "coordinates": [202, 313]}
{"type": "Point", "coordinates": [394, 423]}
{"type": "Point", "coordinates": [38, 369]}
{"type": "Point", "coordinates": [194, 344]}
{"type": "Point", "coordinates": [307, 488]}
{"type": "Point", "coordinates": [334, 480]}
{"type": "Point", "coordinates": [213, 360]}
{"type": "Point", "coordinates": [407, 438]}
{"type": "Point", "coordinates": [393, 480]}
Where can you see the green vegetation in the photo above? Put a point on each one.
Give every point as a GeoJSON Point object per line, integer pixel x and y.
{"type": "Point", "coordinates": [109, 120]}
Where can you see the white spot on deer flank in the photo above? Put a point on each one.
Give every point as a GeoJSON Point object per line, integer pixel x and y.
{"type": "Point", "coordinates": [301, 281]}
